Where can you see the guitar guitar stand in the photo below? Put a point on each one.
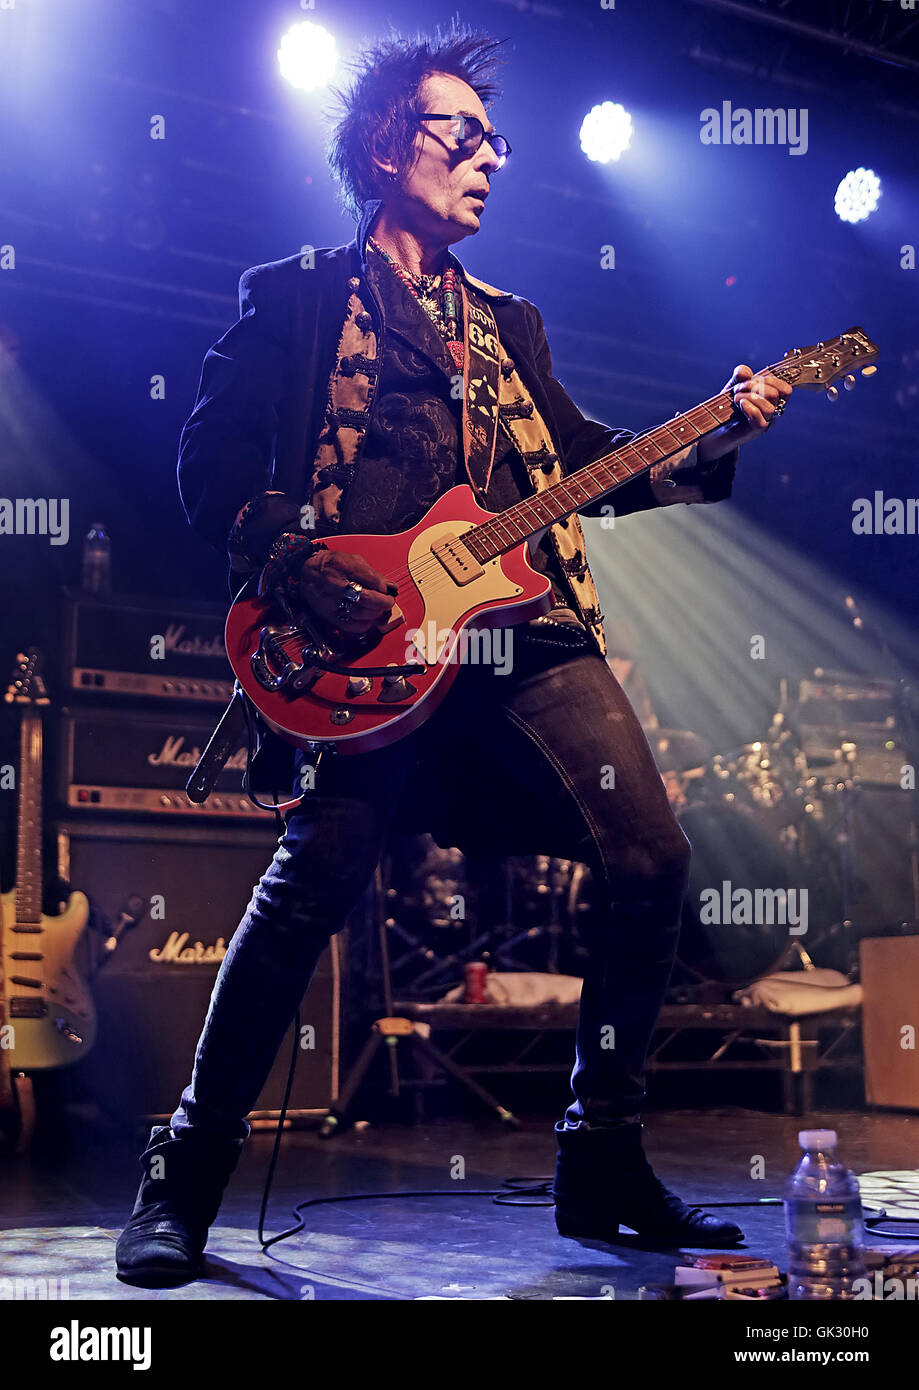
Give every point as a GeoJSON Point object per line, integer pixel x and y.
{"type": "Point", "coordinates": [390, 1031]}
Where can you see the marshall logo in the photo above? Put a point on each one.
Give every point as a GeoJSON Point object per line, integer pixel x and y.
{"type": "Point", "coordinates": [176, 952]}
{"type": "Point", "coordinates": [176, 641]}
{"type": "Point", "coordinates": [174, 754]}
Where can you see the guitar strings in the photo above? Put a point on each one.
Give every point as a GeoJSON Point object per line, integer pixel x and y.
{"type": "Point", "coordinates": [429, 567]}
{"type": "Point", "coordinates": [495, 523]}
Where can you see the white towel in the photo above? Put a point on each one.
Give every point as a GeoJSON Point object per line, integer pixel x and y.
{"type": "Point", "coordinates": [800, 992]}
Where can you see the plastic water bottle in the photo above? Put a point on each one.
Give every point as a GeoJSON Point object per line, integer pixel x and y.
{"type": "Point", "coordinates": [97, 560]}
{"type": "Point", "coordinates": [823, 1222]}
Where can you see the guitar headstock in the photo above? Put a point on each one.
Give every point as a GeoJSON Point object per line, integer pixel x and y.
{"type": "Point", "coordinates": [818, 368]}
{"type": "Point", "coordinates": [26, 685]}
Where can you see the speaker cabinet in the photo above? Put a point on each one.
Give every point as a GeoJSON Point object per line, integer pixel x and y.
{"type": "Point", "coordinates": [883, 840]}
{"type": "Point", "coordinates": [890, 1020]}
{"type": "Point", "coordinates": [151, 993]}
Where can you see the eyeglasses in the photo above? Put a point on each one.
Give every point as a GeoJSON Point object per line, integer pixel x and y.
{"type": "Point", "coordinates": [470, 133]}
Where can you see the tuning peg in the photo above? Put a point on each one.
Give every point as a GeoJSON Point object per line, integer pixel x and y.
{"type": "Point", "coordinates": [849, 382]}
{"type": "Point", "coordinates": [868, 371]}
{"type": "Point", "coordinates": [831, 393]}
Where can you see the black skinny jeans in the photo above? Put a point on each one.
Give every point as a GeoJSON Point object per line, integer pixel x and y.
{"type": "Point", "coordinates": [557, 725]}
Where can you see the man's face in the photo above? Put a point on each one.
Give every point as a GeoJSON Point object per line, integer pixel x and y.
{"type": "Point", "coordinates": [443, 197]}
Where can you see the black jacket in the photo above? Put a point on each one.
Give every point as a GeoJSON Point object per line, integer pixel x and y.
{"type": "Point", "coordinates": [256, 424]}
{"type": "Point", "coordinates": [262, 394]}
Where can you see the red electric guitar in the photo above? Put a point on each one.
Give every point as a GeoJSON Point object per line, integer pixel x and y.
{"type": "Point", "coordinates": [459, 570]}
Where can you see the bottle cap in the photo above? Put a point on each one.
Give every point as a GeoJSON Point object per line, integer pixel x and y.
{"type": "Point", "coordinates": [817, 1138]}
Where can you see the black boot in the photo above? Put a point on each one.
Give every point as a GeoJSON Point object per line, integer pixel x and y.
{"type": "Point", "coordinates": [179, 1195]}
{"type": "Point", "coordinates": [603, 1179]}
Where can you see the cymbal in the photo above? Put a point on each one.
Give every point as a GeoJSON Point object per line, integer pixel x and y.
{"type": "Point", "coordinates": [677, 750]}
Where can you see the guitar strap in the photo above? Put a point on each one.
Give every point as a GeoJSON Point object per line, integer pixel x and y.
{"type": "Point", "coordinates": [229, 734]}
{"type": "Point", "coordinates": [515, 410]}
{"type": "Point", "coordinates": [481, 374]}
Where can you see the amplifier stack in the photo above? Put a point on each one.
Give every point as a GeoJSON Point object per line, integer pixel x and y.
{"type": "Point", "coordinates": [145, 683]}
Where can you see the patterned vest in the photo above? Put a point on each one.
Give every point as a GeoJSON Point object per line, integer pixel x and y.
{"type": "Point", "coordinates": [351, 392]}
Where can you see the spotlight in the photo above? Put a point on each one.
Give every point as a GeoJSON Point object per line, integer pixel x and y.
{"type": "Point", "coordinates": [606, 132]}
{"type": "Point", "coordinates": [857, 195]}
{"type": "Point", "coordinates": [307, 56]}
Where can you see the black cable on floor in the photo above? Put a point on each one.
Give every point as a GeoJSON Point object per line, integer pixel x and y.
{"type": "Point", "coordinates": [513, 1192]}
{"type": "Point", "coordinates": [282, 1116]}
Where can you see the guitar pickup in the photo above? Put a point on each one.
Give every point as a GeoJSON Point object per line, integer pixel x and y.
{"type": "Point", "coordinates": [27, 1008]}
{"type": "Point", "coordinates": [457, 560]}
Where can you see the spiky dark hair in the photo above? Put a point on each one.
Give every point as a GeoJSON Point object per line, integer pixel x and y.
{"type": "Point", "coordinates": [374, 116]}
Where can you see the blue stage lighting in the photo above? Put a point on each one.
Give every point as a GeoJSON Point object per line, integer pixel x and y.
{"type": "Point", "coordinates": [606, 132]}
{"type": "Point", "coordinates": [307, 56]}
{"type": "Point", "coordinates": [857, 195]}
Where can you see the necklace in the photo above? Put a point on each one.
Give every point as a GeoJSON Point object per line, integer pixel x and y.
{"type": "Point", "coordinates": [441, 311]}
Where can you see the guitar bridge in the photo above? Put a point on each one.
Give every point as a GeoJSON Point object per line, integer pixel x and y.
{"type": "Point", "coordinates": [276, 668]}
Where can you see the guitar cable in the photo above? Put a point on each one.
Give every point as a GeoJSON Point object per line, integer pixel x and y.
{"type": "Point", "coordinates": [514, 1192]}
{"type": "Point", "coordinates": [253, 744]}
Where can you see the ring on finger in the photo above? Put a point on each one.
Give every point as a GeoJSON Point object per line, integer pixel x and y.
{"type": "Point", "coordinates": [350, 598]}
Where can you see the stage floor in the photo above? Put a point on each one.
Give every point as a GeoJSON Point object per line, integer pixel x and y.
{"type": "Point", "coordinates": [61, 1212]}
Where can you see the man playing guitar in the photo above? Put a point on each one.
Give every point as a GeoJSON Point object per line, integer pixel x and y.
{"type": "Point", "coordinates": [292, 440]}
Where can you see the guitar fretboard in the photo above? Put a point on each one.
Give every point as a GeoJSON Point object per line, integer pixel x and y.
{"type": "Point", "coordinates": [597, 479]}
{"type": "Point", "coordinates": [28, 853]}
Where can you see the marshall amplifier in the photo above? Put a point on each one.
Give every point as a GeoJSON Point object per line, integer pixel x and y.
{"type": "Point", "coordinates": [146, 649]}
{"type": "Point", "coordinates": [166, 901]}
{"type": "Point", "coordinates": [138, 764]}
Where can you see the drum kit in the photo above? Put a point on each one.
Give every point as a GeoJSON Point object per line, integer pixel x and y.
{"type": "Point", "coordinates": [780, 812]}
{"type": "Point", "coordinates": [445, 910]}
{"type": "Point", "coordinates": [789, 810]}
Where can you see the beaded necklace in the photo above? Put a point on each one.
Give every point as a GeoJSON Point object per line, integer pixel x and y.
{"type": "Point", "coordinates": [443, 313]}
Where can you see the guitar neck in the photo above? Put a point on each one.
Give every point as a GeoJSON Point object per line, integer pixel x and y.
{"type": "Point", "coordinates": [598, 479]}
{"type": "Point", "coordinates": [28, 852]}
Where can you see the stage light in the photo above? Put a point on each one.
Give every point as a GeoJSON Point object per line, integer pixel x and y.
{"type": "Point", "coordinates": [307, 56]}
{"type": "Point", "coordinates": [699, 581]}
{"type": "Point", "coordinates": [606, 132]}
{"type": "Point", "coordinates": [857, 195]}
